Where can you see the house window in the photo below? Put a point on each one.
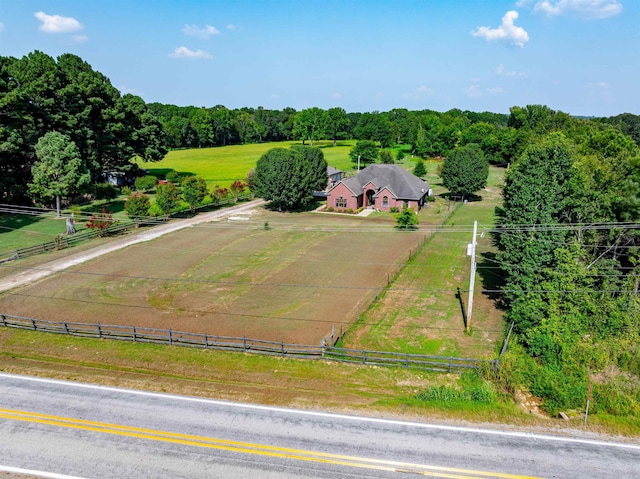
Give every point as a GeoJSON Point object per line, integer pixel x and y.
{"type": "Point", "coordinates": [341, 202]}
{"type": "Point", "coordinates": [385, 201]}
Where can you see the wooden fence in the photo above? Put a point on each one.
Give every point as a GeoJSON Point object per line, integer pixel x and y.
{"type": "Point", "coordinates": [67, 241]}
{"type": "Point", "coordinates": [246, 345]}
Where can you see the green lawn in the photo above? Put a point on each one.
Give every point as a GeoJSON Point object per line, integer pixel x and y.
{"type": "Point", "coordinates": [422, 311]}
{"type": "Point", "coordinates": [225, 164]}
{"type": "Point", "coordinates": [22, 231]}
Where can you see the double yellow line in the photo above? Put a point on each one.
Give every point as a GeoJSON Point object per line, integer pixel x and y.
{"type": "Point", "coordinates": [250, 448]}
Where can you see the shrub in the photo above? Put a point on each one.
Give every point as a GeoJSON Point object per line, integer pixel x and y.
{"type": "Point", "coordinates": [350, 211]}
{"type": "Point", "coordinates": [400, 155]}
{"type": "Point", "coordinates": [386, 157]}
{"type": "Point", "coordinates": [167, 197]}
{"type": "Point", "coordinates": [194, 190]}
{"type": "Point", "coordinates": [407, 220]}
{"type": "Point", "coordinates": [394, 209]}
{"type": "Point", "coordinates": [237, 187]}
{"type": "Point", "coordinates": [138, 204]}
{"type": "Point", "coordinates": [330, 209]}
{"type": "Point", "coordinates": [126, 191]}
{"type": "Point", "coordinates": [173, 177]}
{"type": "Point", "coordinates": [219, 193]}
{"type": "Point", "coordinates": [419, 170]}
{"type": "Point", "coordinates": [146, 183]}
{"type": "Point", "coordinates": [104, 191]}
{"type": "Point", "coordinates": [100, 222]}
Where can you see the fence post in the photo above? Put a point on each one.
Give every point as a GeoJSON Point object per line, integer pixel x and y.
{"type": "Point", "coordinates": [333, 332]}
{"type": "Point", "coordinates": [364, 356]}
{"type": "Point", "coordinates": [282, 348]}
{"type": "Point", "coordinates": [134, 334]}
{"type": "Point", "coordinates": [244, 344]}
{"type": "Point", "coordinates": [450, 364]}
{"type": "Point", "coordinates": [206, 341]}
{"type": "Point", "coordinates": [4, 320]}
{"type": "Point", "coordinates": [99, 331]}
{"type": "Point", "coordinates": [406, 360]}
{"type": "Point", "coordinates": [170, 338]}
{"type": "Point", "coordinates": [66, 328]}
{"type": "Point", "coordinates": [324, 345]}
{"type": "Point", "coordinates": [33, 322]}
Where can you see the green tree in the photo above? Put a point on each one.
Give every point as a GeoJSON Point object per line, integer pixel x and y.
{"type": "Point", "coordinates": [59, 171]}
{"type": "Point", "coordinates": [336, 124]}
{"type": "Point", "coordinates": [308, 124]}
{"type": "Point", "coordinates": [167, 197]}
{"type": "Point", "coordinates": [237, 188]}
{"type": "Point", "coordinates": [407, 219]}
{"type": "Point", "coordinates": [419, 170]}
{"type": "Point", "coordinates": [465, 170]}
{"type": "Point", "coordinates": [386, 157]}
{"type": "Point", "coordinates": [137, 205]}
{"type": "Point", "coordinates": [194, 190]}
{"type": "Point", "coordinates": [287, 179]}
{"type": "Point", "coordinates": [315, 164]}
{"type": "Point", "coordinates": [364, 151]}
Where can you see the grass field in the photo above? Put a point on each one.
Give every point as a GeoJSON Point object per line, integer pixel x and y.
{"type": "Point", "coordinates": [225, 164]}
{"type": "Point", "coordinates": [423, 311]}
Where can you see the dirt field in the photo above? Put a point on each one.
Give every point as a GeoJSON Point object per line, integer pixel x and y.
{"type": "Point", "coordinates": [291, 282]}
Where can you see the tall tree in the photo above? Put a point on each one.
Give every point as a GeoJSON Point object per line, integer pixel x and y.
{"type": "Point", "coordinates": [59, 171]}
{"type": "Point", "coordinates": [308, 124]}
{"type": "Point", "coordinates": [364, 153]}
{"type": "Point", "coordinates": [336, 124]}
{"type": "Point", "coordinates": [287, 179]}
{"type": "Point", "coordinates": [465, 170]}
{"type": "Point", "coordinates": [194, 190]}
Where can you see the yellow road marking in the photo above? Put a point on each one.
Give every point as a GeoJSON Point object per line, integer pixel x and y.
{"type": "Point", "coordinates": [251, 448]}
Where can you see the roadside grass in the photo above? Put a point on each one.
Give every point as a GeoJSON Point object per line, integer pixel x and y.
{"type": "Point", "coordinates": [422, 310]}
{"type": "Point", "coordinates": [225, 164]}
{"type": "Point", "coordinates": [314, 385]}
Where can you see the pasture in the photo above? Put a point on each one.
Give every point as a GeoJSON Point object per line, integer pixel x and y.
{"type": "Point", "coordinates": [225, 164]}
{"type": "Point", "coordinates": [291, 281]}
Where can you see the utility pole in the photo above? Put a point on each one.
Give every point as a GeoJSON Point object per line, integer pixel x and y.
{"type": "Point", "coordinates": [358, 162]}
{"type": "Point", "coordinates": [471, 251]}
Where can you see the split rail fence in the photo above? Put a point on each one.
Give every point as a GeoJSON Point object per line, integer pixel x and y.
{"type": "Point", "coordinates": [246, 345]}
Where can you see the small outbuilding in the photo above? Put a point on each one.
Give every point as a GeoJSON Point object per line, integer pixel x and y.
{"type": "Point", "coordinates": [381, 187]}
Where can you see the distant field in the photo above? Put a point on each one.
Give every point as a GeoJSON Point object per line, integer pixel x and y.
{"type": "Point", "coordinates": [292, 282]}
{"type": "Point", "coordinates": [225, 164]}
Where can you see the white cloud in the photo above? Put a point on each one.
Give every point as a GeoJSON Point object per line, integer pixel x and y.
{"type": "Point", "coordinates": [196, 31]}
{"type": "Point", "coordinates": [501, 71]}
{"type": "Point", "coordinates": [474, 91]}
{"type": "Point", "coordinates": [184, 52]}
{"type": "Point", "coordinates": [507, 31]}
{"type": "Point", "coordinates": [57, 23]}
{"type": "Point", "coordinates": [231, 27]}
{"type": "Point", "coordinates": [420, 92]}
{"type": "Point", "coordinates": [588, 9]}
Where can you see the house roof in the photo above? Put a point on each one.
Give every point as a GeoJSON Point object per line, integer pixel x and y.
{"type": "Point", "coordinates": [332, 171]}
{"type": "Point", "coordinates": [396, 179]}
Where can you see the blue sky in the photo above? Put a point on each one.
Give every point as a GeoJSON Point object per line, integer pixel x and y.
{"type": "Point", "coordinates": [578, 56]}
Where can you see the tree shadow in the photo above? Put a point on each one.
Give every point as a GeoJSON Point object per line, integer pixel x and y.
{"type": "Point", "coordinates": [15, 221]}
{"type": "Point", "coordinates": [493, 278]}
{"type": "Point", "coordinates": [111, 206]}
{"type": "Point", "coordinates": [161, 173]}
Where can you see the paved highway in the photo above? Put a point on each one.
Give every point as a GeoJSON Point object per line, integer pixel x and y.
{"type": "Point", "coordinates": [74, 430]}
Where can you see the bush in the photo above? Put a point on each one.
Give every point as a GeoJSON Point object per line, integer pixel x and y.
{"type": "Point", "coordinates": [386, 157]}
{"type": "Point", "coordinates": [138, 204]}
{"type": "Point", "coordinates": [100, 222]}
{"type": "Point", "coordinates": [394, 209]}
{"type": "Point", "coordinates": [407, 220]}
{"type": "Point", "coordinates": [146, 183]}
{"type": "Point", "coordinates": [167, 197]}
{"type": "Point", "coordinates": [330, 209]}
{"type": "Point", "coordinates": [173, 177]}
{"type": "Point", "coordinates": [419, 170]}
{"type": "Point", "coordinates": [104, 191]}
{"type": "Point", "coordinates": [126, 191]}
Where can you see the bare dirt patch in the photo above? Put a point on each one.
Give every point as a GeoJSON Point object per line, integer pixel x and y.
{"type": "Point", "coordinates": [292, 281]}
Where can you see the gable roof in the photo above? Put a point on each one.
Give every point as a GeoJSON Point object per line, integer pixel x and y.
{"type": "Point", "coordinates": [332, 171]}
{"type": "Point", "coordinates": [396, 179]}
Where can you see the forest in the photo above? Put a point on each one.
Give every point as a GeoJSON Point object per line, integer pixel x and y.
{"type": "Point", "coordinates": [567, 271]}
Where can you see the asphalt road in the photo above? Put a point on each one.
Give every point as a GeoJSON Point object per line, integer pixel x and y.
{"type": "Point", "coordinates": [65, 429]}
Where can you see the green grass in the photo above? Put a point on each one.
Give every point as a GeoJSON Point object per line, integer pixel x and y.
{"type": "Point", "coordinates": [223, 165]}
{"type": "Point", "coordinates": [422, 312]}
{"type": "Point", "coordinates": [22, 231]}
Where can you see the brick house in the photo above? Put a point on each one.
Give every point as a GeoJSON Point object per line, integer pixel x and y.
{"type": "Point", "coordinates": [381, 187]}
